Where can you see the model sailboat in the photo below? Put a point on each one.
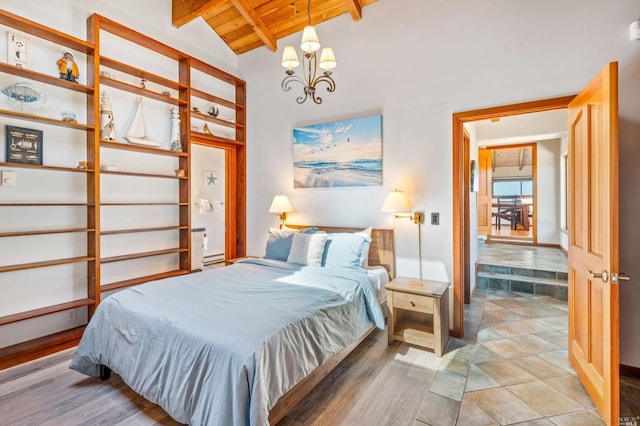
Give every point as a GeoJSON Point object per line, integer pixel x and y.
{"type": "Point", "coordinates": [137, 133]}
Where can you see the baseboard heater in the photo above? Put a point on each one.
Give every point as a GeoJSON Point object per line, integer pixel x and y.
{"type": "Point", "coordinates": [212, 259]}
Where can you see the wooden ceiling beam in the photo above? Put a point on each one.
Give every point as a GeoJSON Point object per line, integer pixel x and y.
{"type": "Point", "coordinates": [355, 9]}
{"type": "Point", "coordinates": [247, 11]}
{"type": "Point", "coordinates": [185, 11]}
{"type": "Point", "coordinates": [521, 159]}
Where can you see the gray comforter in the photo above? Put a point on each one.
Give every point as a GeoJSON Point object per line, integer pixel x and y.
{"type": "Point", "coordinates": [220, 347]}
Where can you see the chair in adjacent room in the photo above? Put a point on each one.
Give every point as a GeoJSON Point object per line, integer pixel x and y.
{"type": "Point", "coordinates": [507, 210]}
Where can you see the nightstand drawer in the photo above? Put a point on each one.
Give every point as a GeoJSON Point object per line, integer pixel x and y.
{"type": "Point", "coordinates": [413, 302]}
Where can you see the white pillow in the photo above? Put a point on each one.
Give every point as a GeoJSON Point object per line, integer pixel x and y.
{"type": "Point", "coordinates": [307, 249]}
{"type": "Point", "coordinates": [365, 232]}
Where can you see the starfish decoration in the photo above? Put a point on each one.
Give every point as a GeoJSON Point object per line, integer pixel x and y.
{"type": "Point", "coordinates": [211, 179]}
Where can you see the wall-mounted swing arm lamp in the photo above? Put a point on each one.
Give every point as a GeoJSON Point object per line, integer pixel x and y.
{"type": "Point", "coordinates": [397, 203]}
{"type": "Point", "coordinates": [281, 206]}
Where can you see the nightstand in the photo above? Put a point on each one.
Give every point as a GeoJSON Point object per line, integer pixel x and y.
{"type": "Point", "coordinates": [419, 315]}
{"type": "Point", "coordinates": [235, 259]}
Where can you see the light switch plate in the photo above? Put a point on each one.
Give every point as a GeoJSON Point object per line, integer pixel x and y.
{"type": "Point", "coordinates": [435, 218]}
{"type": "Point", "coordinates": [8, 178]}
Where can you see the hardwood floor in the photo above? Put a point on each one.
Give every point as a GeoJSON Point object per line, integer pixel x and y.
{"type": "Point", "coordinates": [376, 384]}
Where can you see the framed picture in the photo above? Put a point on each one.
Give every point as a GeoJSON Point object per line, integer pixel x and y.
{"type": "Point", "coordinates": [23, 145]}
{"type": "Point", "coordinates": [473, 175]}
{"type": "Point", "coordinates": [338, 154]}
{"type": "Point", "coordinates": [18, 51]}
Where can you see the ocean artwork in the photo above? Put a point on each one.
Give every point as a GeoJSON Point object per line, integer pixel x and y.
{"type": "Point", "coordinates": [338, 154]}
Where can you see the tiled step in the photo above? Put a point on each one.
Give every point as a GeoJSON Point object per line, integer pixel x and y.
{"type": "Point", "coordinates": [548, 283]}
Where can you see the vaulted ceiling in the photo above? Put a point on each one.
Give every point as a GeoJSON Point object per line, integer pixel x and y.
{"type": "Point", "coordinates": [247, 24]}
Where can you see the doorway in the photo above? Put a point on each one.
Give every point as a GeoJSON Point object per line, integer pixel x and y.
{"type": "Point", "coordinates": [208, 212]}
{"type": "Point", "coordinates": [511, 191]}
{"type": "Point", "coordinates": [461, 261]}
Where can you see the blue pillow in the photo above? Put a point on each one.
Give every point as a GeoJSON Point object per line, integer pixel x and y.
{"type": "Point", "coordinates": [346, 250]}
{"type": "Point", "coordinates": [279, 242]}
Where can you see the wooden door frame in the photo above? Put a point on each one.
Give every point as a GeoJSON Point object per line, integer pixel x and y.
{"type": "Point", "coordinates": [235, 196]}
{"type": "Point", "coordinates": [460, 225]}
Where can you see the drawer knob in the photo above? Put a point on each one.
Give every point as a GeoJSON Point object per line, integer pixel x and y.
{"type": "Point", "coordinates": [412, 304]}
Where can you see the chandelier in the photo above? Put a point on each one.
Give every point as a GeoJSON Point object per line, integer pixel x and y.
{"type": "Point", "coordinates": [310, 78]}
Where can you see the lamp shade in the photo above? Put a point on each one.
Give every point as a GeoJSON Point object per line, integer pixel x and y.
{"type": "Point", "coordinates": [327, 59]}
{"type": "Point", "coordinates": [280, 204]}
{"type": "Point", "coordinates": [396, 201]}
{"type": "Point", "coordinates": [310, 42]}
{"type": "Point", "coordinates": [290, 58]}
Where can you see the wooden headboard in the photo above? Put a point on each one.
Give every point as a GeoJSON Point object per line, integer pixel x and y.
{"type": "Point", "coordinates": [381, 251]}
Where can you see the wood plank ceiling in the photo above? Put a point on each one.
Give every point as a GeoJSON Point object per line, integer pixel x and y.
{"type": "Point", "coordinates": [248, 24]}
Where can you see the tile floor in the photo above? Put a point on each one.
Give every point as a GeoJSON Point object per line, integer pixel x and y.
{"type": "Point", "coordinates": [511, 368]}
{"type": "Point", "coordinates": [522, 256]}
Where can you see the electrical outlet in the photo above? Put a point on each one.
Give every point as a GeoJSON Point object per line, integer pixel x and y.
{"type": "Point", "coordinates": [71, 315]}
{"type": "Point", "coordinates": [8, 178]}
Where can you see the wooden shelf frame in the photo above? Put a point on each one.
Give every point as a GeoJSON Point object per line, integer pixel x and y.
{"type": "Point", "coordinates": [44, 204]}
{"type": "Point", "coordinates": [141, 280]}
{"type": "Point", "coordinates": [45, 167]}
{"type": "Point", "coordinates": [149, 175]}
{"type": "Point", "coordinates": [235, 206]}
{"type": "Point", "coordinates": [159, 203]}
{"type": "Point", "coordinates": [45, 263]}
{"type": "Point", "coordinates": [215, 99]}
{"type": "Point", "coordinates": [41, 31]}
{"type": "Point", "coordinates": [139, 73]}
{"type": "Point", "coordinates": [45, 78]}
{"type": "Point", "coordinates": [45, 232]}
{"type": "Point", "coordinates": [45, 120]}
{"type": "Point", "coordinates": [206, 138]}
{"type": "Point", "coordinates": [47, 344]}
{"type": "Point", "coordinates": [136, 230]}
{"type": "Point", "coordinates": [142, 254]}
{"type": "Point", "coordinates": [138, 148]}
{"type": "Point", "coordinates": [47, 310]}
{"type": "Point", "coordinates": [141, 91]}
{"type": "Point", "coordinates": [211, 119]}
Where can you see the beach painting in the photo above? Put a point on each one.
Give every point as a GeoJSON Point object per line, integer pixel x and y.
{"type": "Point", "coordinates": [338, 154]}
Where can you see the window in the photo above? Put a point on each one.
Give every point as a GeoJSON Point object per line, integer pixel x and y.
{"type": "Point", "coordinates": [522, 187]}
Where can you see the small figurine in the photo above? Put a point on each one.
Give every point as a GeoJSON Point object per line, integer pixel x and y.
{"type": "Point", "coordinates": [143, 83]}
{"type": "Point", "coordinates": [213, 111]}
{"type": "Point", "coordinates": [69, 117]}
{"type": "Point", "coordinates": [207, 130]}
{"type": "Point", "coordinates": [107, 124]}
{"type": "Point", "coordinates": [68, 68]}
{"type": "Point", "coordinates": [175, 143]}
{"type": "Point", "coordinates": [82, 165]}
{"type": "Point", "coordinates": [167, 93]}
{"type": "Point", "coordinates": [196, 109]}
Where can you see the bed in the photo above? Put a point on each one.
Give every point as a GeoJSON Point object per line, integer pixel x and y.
{"type": "Point", "coordinates": [242, 344]}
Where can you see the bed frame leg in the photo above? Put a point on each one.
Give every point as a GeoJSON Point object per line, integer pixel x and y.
{"type": "Point", "coordinates": [105, 372]}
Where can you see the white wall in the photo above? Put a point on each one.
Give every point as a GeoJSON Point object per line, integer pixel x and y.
{"type": "Point", "coordinates": [417, 64]}
{"type": "Point", "coordinates": [564, 233]}
{"type": "Point", "coordinates": [548, 192]}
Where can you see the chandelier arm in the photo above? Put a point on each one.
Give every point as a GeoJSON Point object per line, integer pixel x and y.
{"type": "Point", "coordinates": [286, 83]}
{"type": "Point", "coordinates": [324, 78]}
{"type": "Point", "coordinates": [302, 99]}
